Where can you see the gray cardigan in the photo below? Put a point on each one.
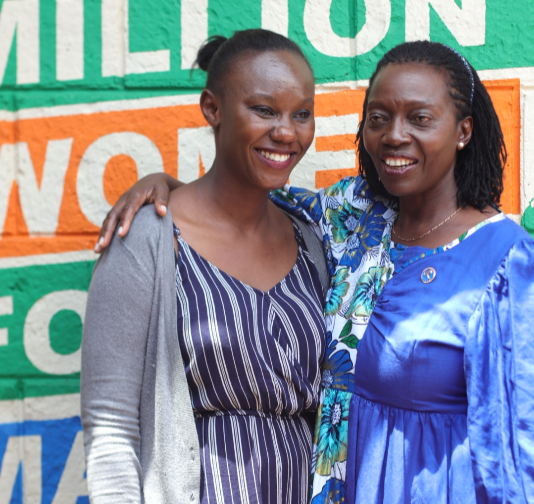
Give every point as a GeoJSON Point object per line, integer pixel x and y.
{"type": "Point", "coordinates": [133, 382]}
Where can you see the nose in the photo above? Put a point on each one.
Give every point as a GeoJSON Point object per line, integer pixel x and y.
{"type": "Point", "coordinates": [397, 132]}
{"type": "Point", "coordinates": [284, 131]}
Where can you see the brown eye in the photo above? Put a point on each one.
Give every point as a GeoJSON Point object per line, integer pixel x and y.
{"type": "Point", "coordinates": [376, 119]}
{"type": "Point", "coordinates": [421, 119]}
{"type": "Point", "coordinates": [264, 111]}
{"type": "Point", "coordinates": [303, 114]}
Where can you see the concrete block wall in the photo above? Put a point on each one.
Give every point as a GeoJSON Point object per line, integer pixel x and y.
{"type": "Point", "coordinates": [96, 93]}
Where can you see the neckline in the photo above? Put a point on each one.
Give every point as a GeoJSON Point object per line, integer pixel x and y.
{"type": "Point", "coordinates": [298, 239]}
{"type": "Point", "coordinates": [443, 248]}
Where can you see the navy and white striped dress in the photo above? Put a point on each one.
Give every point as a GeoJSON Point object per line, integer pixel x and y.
{"type": "Point", "coordinates": [253, 365]}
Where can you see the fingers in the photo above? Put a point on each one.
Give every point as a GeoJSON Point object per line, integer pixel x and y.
{"type": "Point", "coordinates": [133, 203]}
{"type": "Point", "coordinates": [161, 198]}
{"type": "Point", "coordinates": [108, 227]}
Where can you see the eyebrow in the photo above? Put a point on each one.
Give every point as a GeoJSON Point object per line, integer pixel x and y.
{"type": "Point", "coordinates": [412, 103]}
{"type": "Point", "coordinates": [266, 96]}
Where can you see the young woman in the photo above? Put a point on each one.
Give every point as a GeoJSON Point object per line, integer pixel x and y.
{"type": "Point", "coordinates": [432, 289]}
{"type": "Point", "coordinates": [201, 361]}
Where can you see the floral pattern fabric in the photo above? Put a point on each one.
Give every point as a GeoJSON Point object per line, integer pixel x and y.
{"type": "Point", "coordinates": [356, 231]}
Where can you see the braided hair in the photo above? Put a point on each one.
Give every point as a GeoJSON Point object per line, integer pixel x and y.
{"type": "Point", "coordinates": [479, 166]}
{"type": "Point", "coordinates": [218, 53]}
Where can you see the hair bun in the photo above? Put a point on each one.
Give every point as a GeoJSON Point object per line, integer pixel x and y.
{"type": "Point", "coordinates": [207, 50]}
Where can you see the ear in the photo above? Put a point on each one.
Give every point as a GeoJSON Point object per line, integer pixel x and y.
{"type": "Point", "coordinates": [210, 104]}
{"type": "Point", "coordinates": [465, 130]}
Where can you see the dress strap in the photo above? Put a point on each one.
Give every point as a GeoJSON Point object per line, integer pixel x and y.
{"type": "Point", "coordinates": [315, 249]}
{"type": "Point", "coordinates": [175, 230]}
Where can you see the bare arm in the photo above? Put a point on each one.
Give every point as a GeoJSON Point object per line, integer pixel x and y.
{"type": "Point", "coordinates": [154, 188]}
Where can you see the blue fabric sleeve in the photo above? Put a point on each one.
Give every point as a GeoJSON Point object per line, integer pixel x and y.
{"type": "Point", "coordinates": [301, 203]}
{"type": "Point", "coordinates": [499, 366]}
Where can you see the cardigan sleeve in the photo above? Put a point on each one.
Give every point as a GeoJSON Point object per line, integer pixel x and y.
{"type": "Point", "coordinates": [113, 357]}
{"type": "Point", "coordinates": [499, 364]}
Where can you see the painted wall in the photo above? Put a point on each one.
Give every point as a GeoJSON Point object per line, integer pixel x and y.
{"type": "Point", "coordinates": [96, 93]}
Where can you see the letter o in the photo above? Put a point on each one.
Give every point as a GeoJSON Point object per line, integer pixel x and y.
{"type": "Point", "coordinates": [90, 179]}
{"type": "Point", "coordinates": [37, 335]}
{"type": "Point", "coordinates": [321, 35]}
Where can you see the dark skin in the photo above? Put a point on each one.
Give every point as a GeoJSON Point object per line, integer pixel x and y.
{"type": "Point", "coordinates": [411, 119]}
{"type": "Point", "coordinates": [410, 116]}
{"type": "Point", "coordinates": [226, 216]}
{"type": "Point", "coordinates": [263, 124]}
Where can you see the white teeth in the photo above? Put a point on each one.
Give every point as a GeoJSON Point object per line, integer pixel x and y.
{"type": "Point", "coordinates": [279, 158]}
{"type": "Point", "coordinates": [398, 162]}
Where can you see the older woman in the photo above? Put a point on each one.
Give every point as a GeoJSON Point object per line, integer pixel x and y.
{"type": "Point", "coordinates": [433, 289]}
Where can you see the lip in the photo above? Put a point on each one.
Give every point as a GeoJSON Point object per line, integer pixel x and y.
{"type": "Point", "coordinates": [277, 165]}
{"type": "Point", "coordinates": [397, 171]}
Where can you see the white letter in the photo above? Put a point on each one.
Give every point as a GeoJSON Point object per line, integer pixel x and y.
{"type": "Point", "coordinates": [69, 40]}
{"type": "Point", "coordinates": [275, 16]}
{"type": "Point", "coordinates": [113, 38]}
{"type": "Point", "coordinates": [40, 206]}
{"type": "Point", "coordinates": [37, 335]}
{"type": "Point", "coordinates": [304, 174]}
{"type": "Point", "coordinates": [8, 163]}
{"type": "Point", "coordinates": [145, 61]}
{"type": "Point", "coordinates": [467, 23]}
{"type": "Point", "coordinates": [90, 179]}
{"type": "Point", "coordinates": [72, 483]}
{"type": "Point", "coordinates": [6, 308]}
{"type": "Point", "coordinates": [25, 449]}
{"type": "Point", "coordinates": [22, 16]}
{"type": "Point", "coordinates": [194, 144]}
{"type": "Point", "coordinates": [194, 26]}
{"type": "Point", "coordinates": [321, 35]}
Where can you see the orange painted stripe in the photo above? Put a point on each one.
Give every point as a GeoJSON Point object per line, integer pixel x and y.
{"type": "Point", "coordinates": [161, 125]}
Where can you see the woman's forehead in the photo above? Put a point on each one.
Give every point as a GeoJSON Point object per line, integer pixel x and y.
{"type": "Point", "coordinates": [410, 81]}
{"type": "Point", "coordinates": [271, 70]}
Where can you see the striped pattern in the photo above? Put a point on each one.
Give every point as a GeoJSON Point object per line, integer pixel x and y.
{"type": "Point", "coordinates": [252, 360]}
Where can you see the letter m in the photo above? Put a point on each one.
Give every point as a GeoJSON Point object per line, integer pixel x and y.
{"type": "Point", "coordinates": [20, 17]}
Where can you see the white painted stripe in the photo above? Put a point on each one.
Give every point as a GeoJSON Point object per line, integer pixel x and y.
{"type": "Point", "coordinates": [40, 408]}
{"type": "Point", "coordinates": [40, 260]}
{"type": "Point", "coordinates": [11, 411]}
{"type": "Point", "coordinates": [525, 74]}
{"type": "Point", "coordinates": [337, 125]}
{"type": "Point", "coordinates": [329, 87]}
{"type": "Point", "coordinates": [104, 106]}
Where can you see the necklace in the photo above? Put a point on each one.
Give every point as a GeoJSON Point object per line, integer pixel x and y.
{"type": "Point", "coordinates": [428, 232]}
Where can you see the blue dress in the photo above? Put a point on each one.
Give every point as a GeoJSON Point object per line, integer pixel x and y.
{"type": "Point", "coordinates": [443, 407]}
{"type": "Point", "coordinates": [426, 389]}
{"type": "Point", "coordinates": [253, 365]}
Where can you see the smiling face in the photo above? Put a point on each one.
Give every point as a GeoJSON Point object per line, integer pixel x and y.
{"type": "Point", "coordinates": [264, 121]}
{"type": "Point", "coordinates": [411, 130]}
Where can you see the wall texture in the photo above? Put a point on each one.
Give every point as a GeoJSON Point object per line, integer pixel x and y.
{"type": "Point", "coordinates": [95, 93]}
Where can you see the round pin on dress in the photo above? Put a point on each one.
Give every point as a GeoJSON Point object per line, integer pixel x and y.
{"type": "Point", "coordinates": [428, 275]}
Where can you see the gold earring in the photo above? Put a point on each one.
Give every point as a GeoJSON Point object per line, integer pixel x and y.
{"type": "Point", "coordinates": [461, 145]}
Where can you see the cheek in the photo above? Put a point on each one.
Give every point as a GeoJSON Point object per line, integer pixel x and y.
{"type": "Point", "coordinates": [369, 141]}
